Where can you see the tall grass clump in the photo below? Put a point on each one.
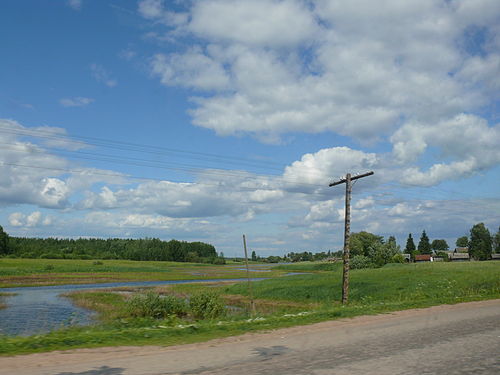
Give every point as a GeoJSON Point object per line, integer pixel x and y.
{"type": "Point", "coordinates": [153, 305]}
{"type": "Point", "coordinates": [207, 305]}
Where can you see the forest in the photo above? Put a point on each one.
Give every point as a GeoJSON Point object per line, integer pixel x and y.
{"type": "Point", "coordinates": [111, 248]}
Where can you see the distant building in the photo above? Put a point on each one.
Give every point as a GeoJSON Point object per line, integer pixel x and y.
{"type": "Point", "coordinates": [459, 257]}
{"type": "Point", "coordinates": [423, 258]}
{"type": "Point", "coordinates": [461, 250]}
{"type": "Point", "coordinates": [407, 257]}
{"type": "Point", "coordinates": [495, 256]}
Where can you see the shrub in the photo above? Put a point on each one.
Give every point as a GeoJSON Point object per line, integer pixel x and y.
{"type": "Point", "coordinates": [219, 261]}
{"type": "Point", "coordinates": [51, 256]}
{"type": "Point", "coordinates": [444, 255]}
{"type": "Point", "coordinates": [207, 305]}
{"type": "Point", "coordinates": [398, 258]}
{"type": "Point", "coordinates": [83, 257]}
{"type": "Point", "coordinates": [28, 255]}
{"type": "Point", "coordinates": [361, 261]}
{"type": "Point", "coordinates": [153, 305]}
{"type": "Point", "coordinates": [327, 266]}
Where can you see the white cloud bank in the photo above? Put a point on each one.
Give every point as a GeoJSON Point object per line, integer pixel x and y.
{"type": "Point", "coordinates": [344, 66]}
{"type": "Point", "coordinates": [417, 73]}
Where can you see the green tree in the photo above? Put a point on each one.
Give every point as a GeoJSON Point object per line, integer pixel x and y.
{"type": "Point", "coordinates": [462, 241]}
{"type": "Point", "coordinates": [254, 256]}
{"type": "Point", "coordinates": [381, 254]}
{"type": "Point", "coordinates": [392, 239]}
{"type": "Point", "coordinates": [424, 246]}
{"type": "Point", "coordinates": [410, 246]}
{"type": "Point", "coordinates": [496, 242]}
{"type": "Point", "coordinates": [480, 242]}
{"type": "Point", "coordinates": [4, 241]}
{"type": "Point", "coordinates": [360, 243]}
{"type": "Point", "coordinates": [439, 245]}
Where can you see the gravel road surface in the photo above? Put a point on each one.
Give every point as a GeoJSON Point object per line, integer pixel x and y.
{"type": "Point", "coordinates": [448, 339]}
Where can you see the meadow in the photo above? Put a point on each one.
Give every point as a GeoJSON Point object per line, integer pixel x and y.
{"type": "Point", "coordinates": [37, 272]}
{"type": "Point", "coordinates": [279, 301]}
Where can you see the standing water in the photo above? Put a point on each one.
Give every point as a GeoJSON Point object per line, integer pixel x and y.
{"type": "Point", "coordinates": [42, 309]}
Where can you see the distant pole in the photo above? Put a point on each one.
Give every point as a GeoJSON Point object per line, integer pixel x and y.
{"type": "Point", "coordinates": [347, 230]}
{"type": "Point", "coordinates": [250, 291]}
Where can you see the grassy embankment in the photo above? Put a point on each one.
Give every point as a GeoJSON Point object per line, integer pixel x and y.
{"type": "Point", "coordinates": [281, 302]}
{"type": "Point", "coordinates": [37, 272]}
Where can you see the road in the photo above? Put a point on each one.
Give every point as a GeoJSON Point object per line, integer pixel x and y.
{"type": "Point", "coordinates": [448, 339]}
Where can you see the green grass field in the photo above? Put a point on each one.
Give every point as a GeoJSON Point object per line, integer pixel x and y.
{"type": "Point", "coordinates": [281, 302]}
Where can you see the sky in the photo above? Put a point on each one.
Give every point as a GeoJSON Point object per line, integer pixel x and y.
{"type": "Point", "coordinates": [204, 120]}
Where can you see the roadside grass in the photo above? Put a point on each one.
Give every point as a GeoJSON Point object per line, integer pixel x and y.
{"type": "Point", "coordinates": [37, 272]}
{"type": "Point", "coordinates": [299, 299]}
{"type": "Point", "coordinates": [310, 266]}
{"type": "Point", "coordinates": [407, 285]}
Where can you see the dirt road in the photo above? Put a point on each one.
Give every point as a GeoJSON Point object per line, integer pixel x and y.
{"type": "Point", "coordinates": [449, 339]}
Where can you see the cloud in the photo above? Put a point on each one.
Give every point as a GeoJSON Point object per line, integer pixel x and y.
{"type": "Point", "coordinates": [32, 175]}
{"type": "Point", "coordinates": [74, 4]}
{"type": "Point", "coordinates": [192, 69]}
{"type": "Point", "coordinates": [101, 75]}
{"type": "Point", "coordinates": [328, 164]}
{"type": "Point", "coordinates": [16, 219]}
{"type": "Point", "coordinates": [35, 219]}
{"type": "Point", "coordinates": [467, 140]}
{"type": "Point", "coordinates": [263, 23]}
{"type": "Point", "coordinates": [354, 68]}
{"type": "Point", "coordinates": [78, 101]}
{"type": "Point", "coordinates": [155, 10]}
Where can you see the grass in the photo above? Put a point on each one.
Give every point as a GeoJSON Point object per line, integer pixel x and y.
{"type": "Point", "coordinates": [37, 272]}
{"type": "Point", "coordinates": [281, 302]}
{"type": "Point", "coordinates": [407, 285]}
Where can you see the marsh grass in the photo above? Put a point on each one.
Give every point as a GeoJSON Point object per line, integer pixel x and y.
{"type": "Point", "coordinates": [310, 266]}
{"type": "Point", "coordinates": [36, 272]}
{"type": "Point", "coordinates": [157, 306]}
{"type": "Point", "coordinates": [2, 296]}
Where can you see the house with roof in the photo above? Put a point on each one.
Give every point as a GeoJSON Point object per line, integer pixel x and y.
{"type": "Point", "coordinates": [453, 257]}
{"type": "Point", "coordinates": [459, 254]}
{"type": "Point", "coordinates": [423, 258]}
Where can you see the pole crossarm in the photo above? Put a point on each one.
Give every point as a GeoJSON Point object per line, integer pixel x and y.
{"type": "Point", "coordinates": [342, 181]}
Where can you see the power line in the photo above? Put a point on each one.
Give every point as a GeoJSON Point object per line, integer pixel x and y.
{"type": "Point", "coordinates": [129, 146]}
{"type": "Point", "coordinates": [190, 168]}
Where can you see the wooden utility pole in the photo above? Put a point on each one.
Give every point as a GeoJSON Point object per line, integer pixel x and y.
{"type": "Point", "coordinates": [347, 229]}
{"type": "Point", "coordinates": [250, 291]}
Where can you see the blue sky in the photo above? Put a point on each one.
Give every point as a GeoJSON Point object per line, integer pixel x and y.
{"type": "Point", "coordinates": [204, 120]}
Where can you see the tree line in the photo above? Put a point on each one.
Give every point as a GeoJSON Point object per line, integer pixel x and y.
{"type": "Point", "coordinates": [111, 248]}
{"type": "Point", "coordinates": [371, 250]}
{"type": "Point", "coordinates": [480, 243]}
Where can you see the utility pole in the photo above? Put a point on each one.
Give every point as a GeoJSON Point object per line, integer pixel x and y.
{"type": "Point", "coordinates": [347, 229]}
{"type": "Point", "coordinates": [250, 291]}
